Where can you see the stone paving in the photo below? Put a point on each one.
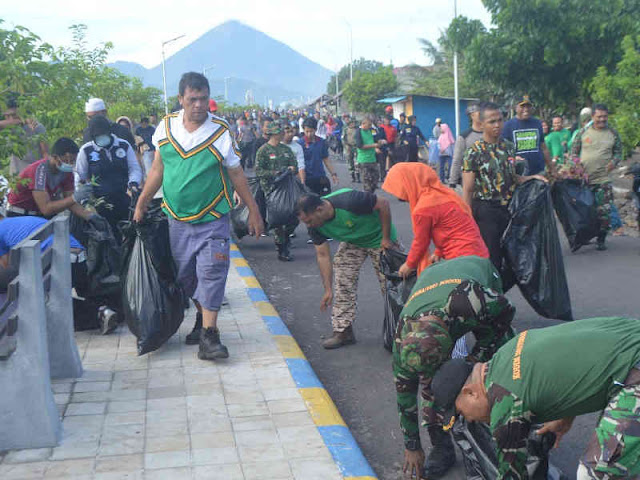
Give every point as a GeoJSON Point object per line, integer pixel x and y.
{"type": "Point", "coordinates": [168, 415]}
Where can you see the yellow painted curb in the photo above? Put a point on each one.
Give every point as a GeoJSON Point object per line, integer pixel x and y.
{"type": "Point", "coordinates": [288, 346]}
{"type": "Point", "coordinates": [321, 407]}
{"type": "Point", "coordinates": [251, 282]}
{"type": "Point", "coordinates": [265, 308]}
{"type": "Point", "coordinates": [239, 262]}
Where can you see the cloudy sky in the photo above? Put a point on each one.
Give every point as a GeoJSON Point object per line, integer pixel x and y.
{"type": "Point", "coordinates": [382, 30]}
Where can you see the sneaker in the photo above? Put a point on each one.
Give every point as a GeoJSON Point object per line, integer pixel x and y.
{"type": "Point", "coordinates": [194, 337]}
{"type": "Point", "coordinates": [210, 346]}
{"type": "Point", "coordinates": [108, 320]}
{"type": "Point", "coordinates": [309, 242]}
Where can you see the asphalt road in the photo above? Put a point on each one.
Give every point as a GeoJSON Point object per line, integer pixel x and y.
{"type": "Point", "coordinates": [359, 377]}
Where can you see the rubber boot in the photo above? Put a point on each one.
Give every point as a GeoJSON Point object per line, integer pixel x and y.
{"type": "Point", "coordinates": [283, 252]}
{"type": "Point", "coordinates": [442, 455]}
{"type": "Point", "coordinates": [340, 339]}
{"type": "Point", "coordinates": [601, 238]}
{"type": "Point", "coordinates": [353, 177]}
{"type": "Point", "coordinates": [210, 346]}
{"type": "Point", "coordinates": [194, 337]}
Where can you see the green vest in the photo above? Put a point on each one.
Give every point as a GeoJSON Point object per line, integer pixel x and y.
{"type": "Point", "coordinates": [195, 185]}
{"type": "Point", "coordinates": [368, 155]}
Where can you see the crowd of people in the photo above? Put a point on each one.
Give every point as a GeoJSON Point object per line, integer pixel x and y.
{"type": "Point", "coordinates": [198, 161]}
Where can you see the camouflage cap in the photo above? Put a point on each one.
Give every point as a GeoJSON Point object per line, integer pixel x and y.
{"type": "Point", "coordinates": [273, 128]}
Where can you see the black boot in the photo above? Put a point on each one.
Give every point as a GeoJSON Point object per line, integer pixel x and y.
{"type": "Point", "coordinates": [194, 337]}
{"type": "Point", "coordinates": [601, 238]}
{"type": "Point", "coordinates": [210, 346]}
{"type": "Point", "coordinates": [358, 177]}
{"type": "Point", "coordinates": [283, 253]}
{"type": "Point", "coordinates": [442, 455]}
{"type": "Point", "coordinates": [353, 177]}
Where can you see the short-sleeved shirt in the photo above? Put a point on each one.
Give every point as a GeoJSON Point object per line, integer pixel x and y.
{"type": "Point", "coordinates": [355, 220]}
{"type": "Point", "coordinates": [596, 149]}
{"type": "Point", "coordinates": [297, 151]}
{"type": "Point", "coordinates": [314, 154]}
{"type": "Point", "coordinates": [527, 136]}
{"type": "Point", "coordinates": [15, 229]}
{"type": "Point", "coordinates": [31, 137]}
{"type": "Point", "coordinates": [41, 178]}
{"type": "Point", "coordinates": [555, 142]}
{"type": "Point", "coordinates": [247, 134]}
{"type": "Point", "coordinates": [147, 133]}
{"type": "Point", "coordinates": [494, 166]}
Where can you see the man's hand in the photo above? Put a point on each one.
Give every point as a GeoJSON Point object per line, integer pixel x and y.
{"type": "Point", "coordinates": [83, 193]}
{"type": "Point", "coordinates": [405, 270]}
{"type": "Point", "coordinates": [413, 463]}
{"type": "Point", "coordinates": [256, 224]}
{"type": "Point", "coordinates": [327, 299]}
{"type": "Point", "coordinates": [141, 210]}
{"type": "Point", "coordinates": [540, 177]}
{"type": "Point", "coordinates": [237, 201]}
{"type": "Point", "coordinates": [386, 244]}
{"type": "Point", "coordinates": [435, 258]}
{"type": "Point", "coordinates": [559, 427]}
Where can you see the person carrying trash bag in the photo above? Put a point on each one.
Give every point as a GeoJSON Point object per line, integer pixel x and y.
{"type": "Point", "coordinates": [450, 299]}
{"type": "Point", "coordinates": [271, 159]}
{"type": "Point", "coordinates": [551, 375]}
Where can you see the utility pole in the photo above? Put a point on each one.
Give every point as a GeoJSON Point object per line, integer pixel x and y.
{"type": "Point", "coordinates": [164, 74]}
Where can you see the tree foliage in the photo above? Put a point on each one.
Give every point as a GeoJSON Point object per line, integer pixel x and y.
{"type": "Point", "coordinates": [620, 91]}
{"type": "Point", "coordinates": [344, 75]}
{"type": "Point", "coordinates": [368, 87]}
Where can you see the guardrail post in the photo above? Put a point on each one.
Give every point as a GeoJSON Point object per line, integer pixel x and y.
{"type": "Point", "coordinates": [64, 358]}
{"type": "Point", "coordinates": [28, 414]}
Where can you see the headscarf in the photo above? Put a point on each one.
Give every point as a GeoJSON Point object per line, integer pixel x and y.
{"type": "Point", "coordinates": [445, 140]}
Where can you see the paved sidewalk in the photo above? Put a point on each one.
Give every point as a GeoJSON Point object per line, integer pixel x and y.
{"type": "Point", "coordinates": [261, 414]}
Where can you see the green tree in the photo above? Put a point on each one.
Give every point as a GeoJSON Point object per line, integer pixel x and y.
{"type": "Point", "coordinates": [620, 91]}
{"type": "Point", "coordinates": [344, 74]}
{"type": "Point", "coordinates": [368, 87]}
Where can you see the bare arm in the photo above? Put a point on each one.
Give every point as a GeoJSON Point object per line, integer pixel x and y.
{"type": "Point", "coordinates": [547, 157]}
{"type": "Point", "coordinates": [151, 186]}
{"type": "Point", "coordinates": [468, 181]}
{"type": "Point", "coordinates": [256, 223]}
{"type": "Point", "coordinates": [303, 175]}
{"type": "Point", "coordinates": [383, 209]}
{"type": "Point", "coordinates": [49, 207]}
{"type": "Point", "coordinates": [323, 256]}
{"type": "Point", "coordinates": [334, 175]}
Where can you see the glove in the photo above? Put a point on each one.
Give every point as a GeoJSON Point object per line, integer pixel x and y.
{"type": "Point", "coordinates": [83, 193]}
{"type": "Point", "coordinates": [133, 186]}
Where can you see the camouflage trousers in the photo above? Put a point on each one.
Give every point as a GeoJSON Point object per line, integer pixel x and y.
{"type": "Point", "coordinates": [370, 176]}
{"type": "Point", "coordinates": [614, 449]}
{"type": "Point", "coordinates": [347, 263]}
{"type": "Point", "coordinates": [604, 200]}
{"type": "Point", "coordinates": [281, 234]}
{"type": "Point", "coordinates": [350, 157]}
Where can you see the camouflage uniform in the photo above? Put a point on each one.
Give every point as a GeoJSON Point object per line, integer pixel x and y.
{"type": "Point", "coordinates": [423, 343]}
{"type": "Point", "coordinates": [271, 161]}
{"type": "Point", "coordinates": [350, 150]}
{"type": "Point", "coordinates": [370, 176]}
{"type": "Point", "coordinates": [347, 263]}
{"type": "Point", "coordinates": [603, 194]}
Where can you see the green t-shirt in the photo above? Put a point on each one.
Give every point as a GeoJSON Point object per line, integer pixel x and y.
{"type": "Point", "coordinates": [554, 142]}
{"type": "Point", "coordinates": [355, 221]}
{"type": "Point", "coordinates": [368, 155]}
{"type": "Point", "coordinates": [436, 282]}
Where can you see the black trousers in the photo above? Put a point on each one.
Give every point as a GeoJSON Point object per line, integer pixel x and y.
{"type": "Point", "coordinates": [492, 219]}
{"type": "Point", "coordinates": [318, 185]}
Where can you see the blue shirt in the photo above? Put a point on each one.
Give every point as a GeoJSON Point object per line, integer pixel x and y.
{"type": "Point", "coordinates": [314, 154]}
{"type": "Point", "coordinates": [527, 136]}
{"type": "Point", "coordinates": [395, 123]}
{"type": "Point", "coordinates": [15, 229]}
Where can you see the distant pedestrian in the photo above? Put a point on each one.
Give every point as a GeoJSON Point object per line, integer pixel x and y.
{"type": "Point", "coordinates": [411, 136]}
{"type": "Point", "coordinates": [289, 139]}
{"type": "Point", "coordinates": [436, 129]}
{"type": "Point", "coordinates": [31, 137]}
{"type": "Point", "coordinates": [464, 141]}
{"type": "Point", "coordinates": [558, 140]}
{"type": "Point", "coordinates": [146, 131]}
{"type": "Point", "coordinates": [445, 144]}
{"type": "Point", "coordinates": [368, 147]}
{"type": "Point", "coordinates": [246, 141]}
{"type": "Point", "coordinates": [316, 159]}
{"type": "Point", "coordinates": [351, 148]}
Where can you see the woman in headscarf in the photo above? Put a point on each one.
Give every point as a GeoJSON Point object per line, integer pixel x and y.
{"type": "Point", "coordinates": [438, 215]}
{"type": "Point", "coordinates": [446, 143]}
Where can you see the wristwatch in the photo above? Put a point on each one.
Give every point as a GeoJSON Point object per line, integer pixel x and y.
{"type": "Point", "coordinates": [412, 445]}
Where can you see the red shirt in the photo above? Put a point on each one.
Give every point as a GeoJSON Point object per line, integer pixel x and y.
{"type": "Point", "coordinates": [390, 132]}
{"type": "Point", "coordinates": [453, 232]}
{"type": "Point", "coordinates": [40, 176]}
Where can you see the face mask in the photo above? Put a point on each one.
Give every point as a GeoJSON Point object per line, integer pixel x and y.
{"type": "Point", "coordinates": [65, 168]}
{"type": "Point", "coordinates": [103, 141]}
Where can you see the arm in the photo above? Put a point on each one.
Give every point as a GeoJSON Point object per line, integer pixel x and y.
{"type": "Point", "coordinates": [327, 164]}
{"type": "Point", "coordinates": [422, 225]}
{"type": "Point", "coordinates": [323, 257]}
{"type": "Point", "coordinates": [547, 157]}
{"type": "Point", "coordinates": [576, 144]}
{"type": "Point", "coordinates": [49, 208]}
{"type": "Point", "coordinates": [468, 183]}
{"type": "Point", "coordinates": [135, 172]}
{"type": "Point", "coordinates": [239, 181]}
{"type": "Point", "coordinates": [151, 186]}
{"type": "Point", "coordinates": [384, 211]}
{"type": "Point", "coordinates": [617, 149]}
{"type": "Point", "coordinates": [456, 164]}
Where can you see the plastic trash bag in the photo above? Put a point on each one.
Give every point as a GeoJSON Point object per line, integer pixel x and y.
{"type": "Point", "coordinates": [434, 151]}
{"type": "Point", "coordinates": [575, 206]}
{"type": "Point", "coordinates": [103, 258]}
{"type": "Point", "coordinates": [480, 456]}
{"type": "Point", "coordinates": [281, 202]}
{"type": "Point", "coordinates": [153, 303]}
{"type": "Point", "coordinates": [240, 214]}
{"type": "Point", "coordinates": [397, 293]}
{"type": "Point", "coordinates": [532, 251]}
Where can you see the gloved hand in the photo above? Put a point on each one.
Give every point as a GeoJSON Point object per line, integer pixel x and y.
{"type": "Point", "coordinates": [83, 193]}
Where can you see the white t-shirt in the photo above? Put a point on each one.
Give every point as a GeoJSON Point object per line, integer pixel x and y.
{"type": "Point", "coordinates": [297, 151]}
{"type": "Point", "coordinates": [225, 144]}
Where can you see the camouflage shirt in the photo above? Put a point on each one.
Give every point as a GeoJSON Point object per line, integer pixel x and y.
{"type": "Point", "coordinates": [494, 166]}
{"type": "Point", "coordinates": [423, 343]}
{"type": "Point", "coordinates": [270, 161]}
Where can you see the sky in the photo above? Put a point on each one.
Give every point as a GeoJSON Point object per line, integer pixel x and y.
{"type": "Point", "coordinates": [382, 30]}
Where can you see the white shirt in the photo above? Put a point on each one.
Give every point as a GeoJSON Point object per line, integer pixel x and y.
{"type": "Point", "coordinates": [82, 163]}
{"type": "Point", "coordinates": [297, 151]}
{"type": "Point", "coordinates": [321, 131]}
{"type": "Point", "coordinates": [225, 144]}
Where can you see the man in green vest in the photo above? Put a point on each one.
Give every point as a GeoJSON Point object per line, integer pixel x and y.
{"type": "Point", "coordinates": [367, 145]}
{"type": "Point", "coordinates": [558, 140]}
{"type": "Point", "coordinates": [361, 221]}
{"type": "Point", "coordinates": [197, 163]}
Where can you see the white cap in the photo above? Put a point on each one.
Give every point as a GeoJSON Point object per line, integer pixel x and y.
{"type": "Point", "coordinates": [94, 105]}
{"type": "Point", "coordinates": [438, 120]}
{"type": "Point", "coordinates": [585, 111]}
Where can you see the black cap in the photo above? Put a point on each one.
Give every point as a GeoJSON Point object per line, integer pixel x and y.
{"type": "Point", "coordinates": [446, 386]}
{"type": "Point", "coordinates": [99, 125]}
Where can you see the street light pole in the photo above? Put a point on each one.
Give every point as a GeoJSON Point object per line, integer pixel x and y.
{"type": "Point", "coordinates": [455, 74]}
{"type": "Point", "coordinates": [164, 74]}
{"type": "Point", "coordinates": [204, 69]}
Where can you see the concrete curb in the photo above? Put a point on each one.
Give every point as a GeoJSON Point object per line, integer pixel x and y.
{"type": "Point", "coordinates": [336, 435]}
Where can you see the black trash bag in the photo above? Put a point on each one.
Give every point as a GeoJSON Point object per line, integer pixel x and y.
{"type": "Point", "coordinates": [397, 292]}
{"type": "Point", "coordinates": [240, 214]}
{"type": "Point", "coordinates": [153, 303]}
{"type": "Point", "coordinates": [480, 457]}
{"type": "Point", "coordinates": [104, 258]}
{"type": "Point", "coordinates": [281, 202]}
{"type": "Point", "coordinates": [532, 251]}
{"type": "Point", "coordinates": [575, 205]}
